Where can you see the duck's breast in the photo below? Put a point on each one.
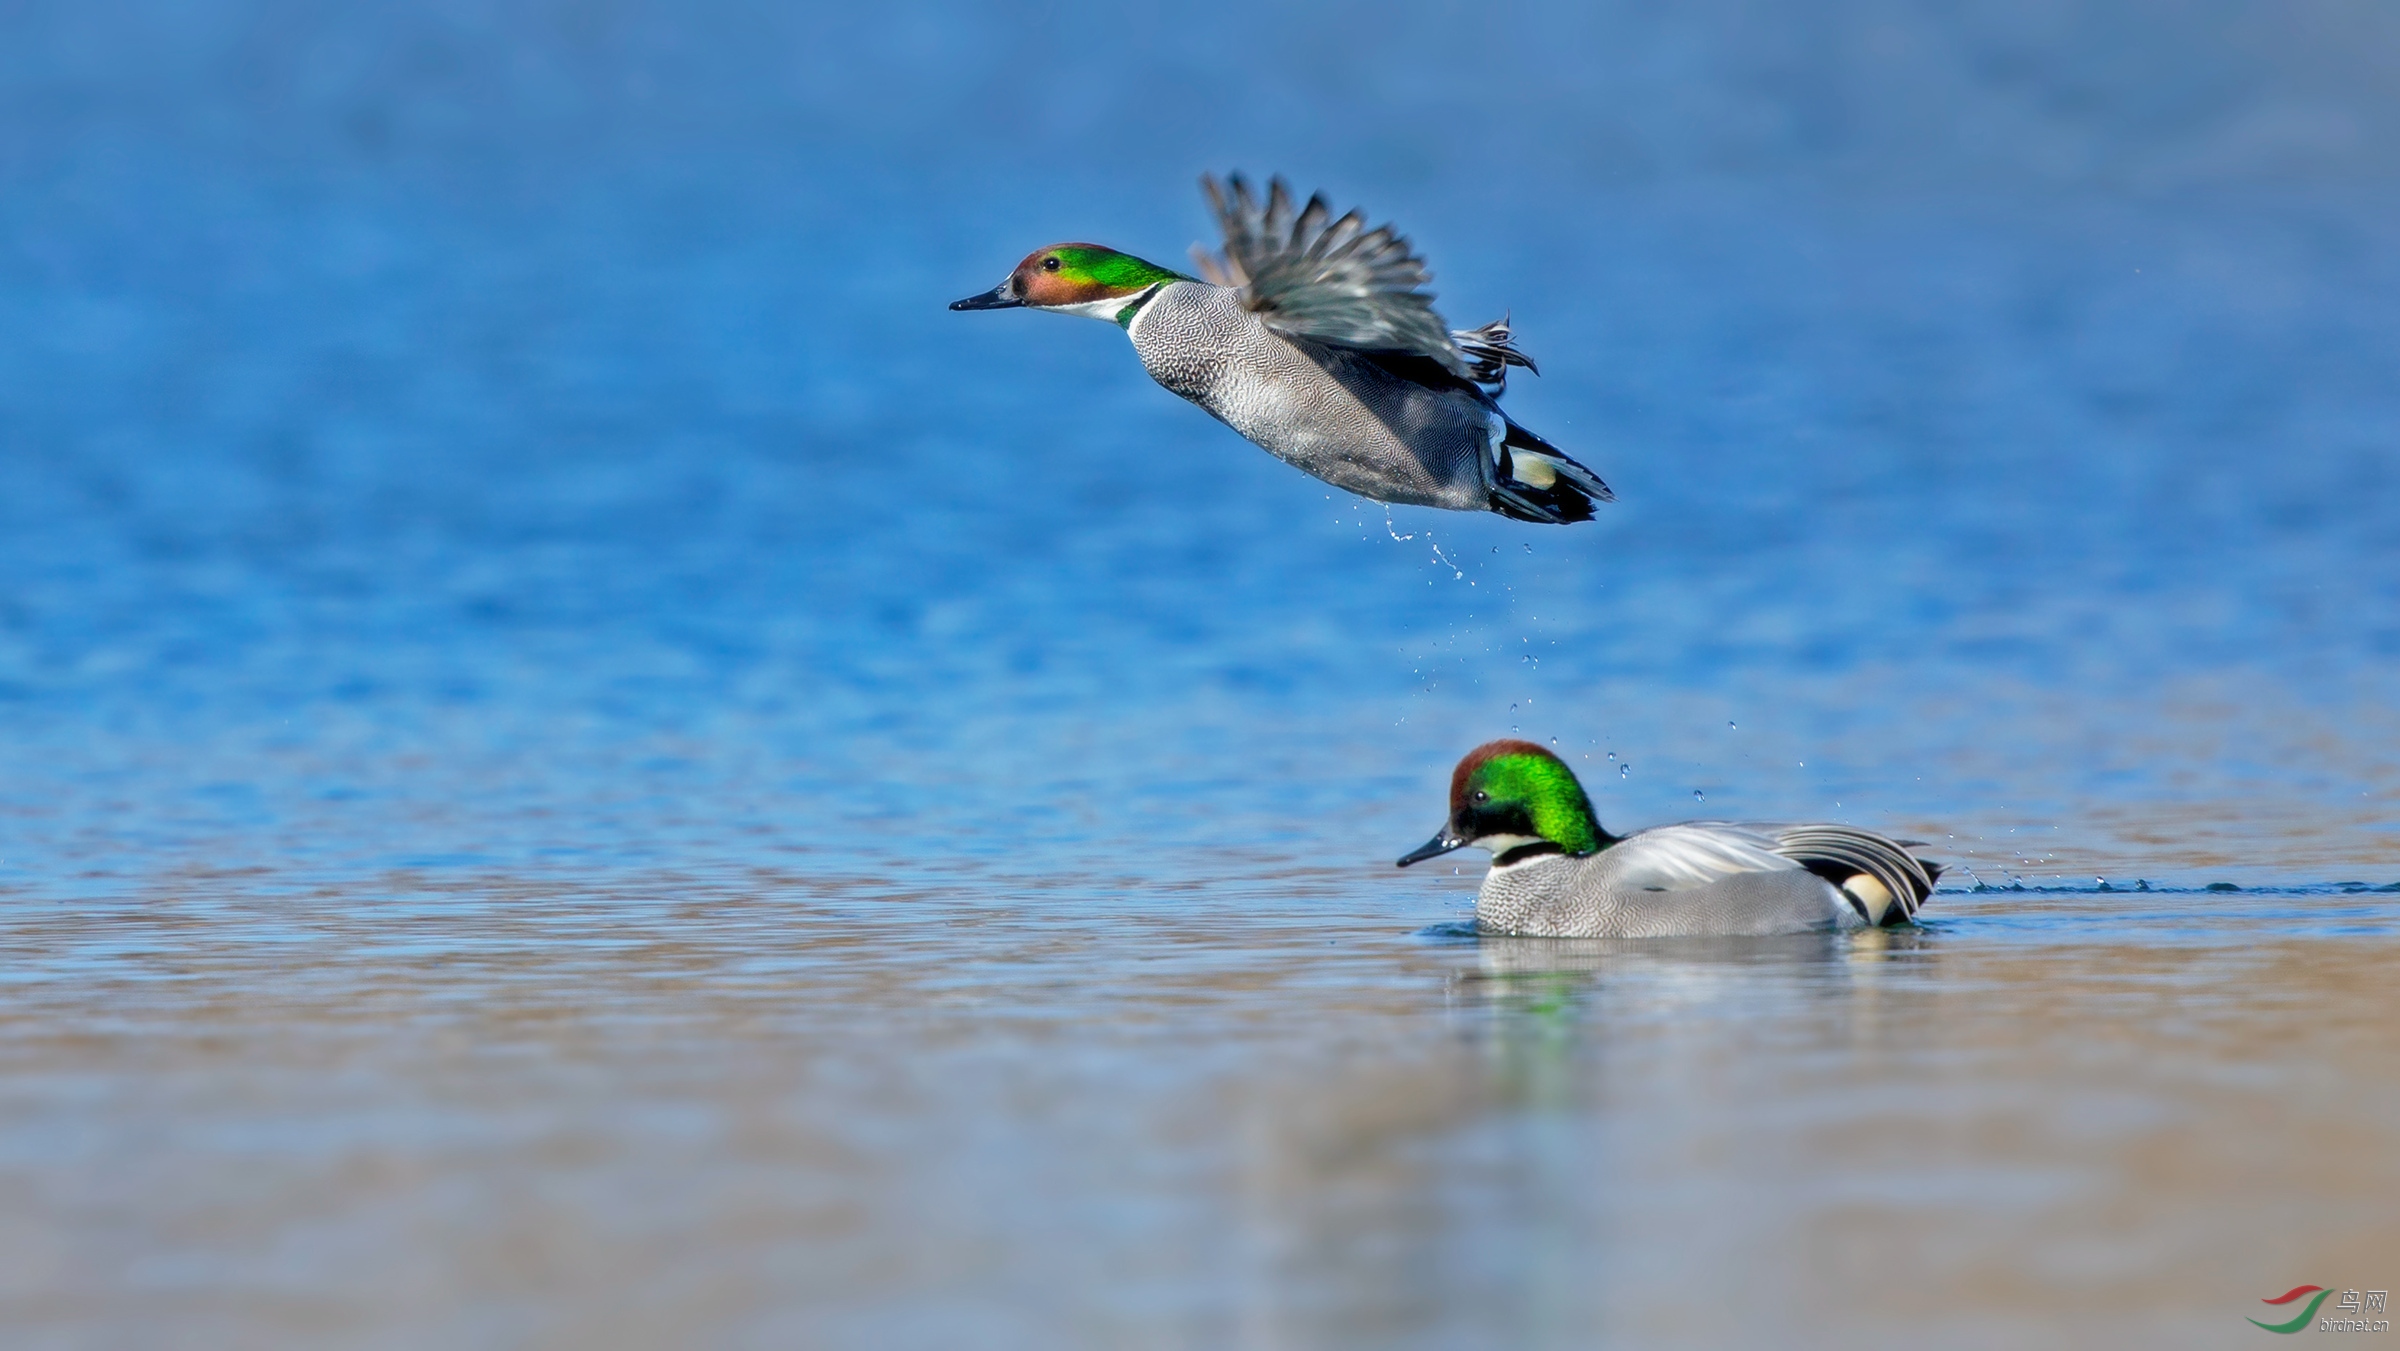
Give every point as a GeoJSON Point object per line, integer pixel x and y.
{"type": "Point", "coordinates": [1326, 410]}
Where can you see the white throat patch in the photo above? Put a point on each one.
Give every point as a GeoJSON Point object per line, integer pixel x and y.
{"type": "Point", "coordinates": [1501, 844]}
{"type": "Point", "coordinates": [1107, 307]}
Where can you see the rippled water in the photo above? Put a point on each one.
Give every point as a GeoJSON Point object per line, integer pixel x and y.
{"type": "Point", "coordinates": [586, 765]}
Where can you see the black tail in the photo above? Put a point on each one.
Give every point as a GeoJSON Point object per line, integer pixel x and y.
{"type": "Point", "coordinates": [1536, 481]}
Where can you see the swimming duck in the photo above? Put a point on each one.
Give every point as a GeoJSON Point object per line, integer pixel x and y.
{"type": "Point", "coordinates": [1315, 338]}
{"type": "Point", "coordinates": [1556, 873]}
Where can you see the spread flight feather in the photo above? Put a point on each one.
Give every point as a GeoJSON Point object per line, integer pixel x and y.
{"type": "Point", "coordinates": [1309, 274]}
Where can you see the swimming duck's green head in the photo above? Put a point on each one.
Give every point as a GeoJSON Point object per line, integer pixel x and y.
{"type": "Point", "coordinates": [1518, 800]}
{"type": "Point", "coordinates": [1076, 279]}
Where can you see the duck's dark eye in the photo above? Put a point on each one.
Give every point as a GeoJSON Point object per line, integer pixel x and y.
{"type": "Point", "coordinates": [1482, 796]}
{"type": "Point", "coordinates": [1049, 265]}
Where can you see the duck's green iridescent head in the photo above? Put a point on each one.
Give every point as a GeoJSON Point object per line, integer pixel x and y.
{"type": "Point", "coordinates": [1518, 800]}
{"type": "Point", "coordinates": [1077, 279]}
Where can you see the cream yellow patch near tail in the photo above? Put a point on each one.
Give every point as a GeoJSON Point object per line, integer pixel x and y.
{"type": "Point", "coordinates": [1873, 896]}
{"type": "Point", "coordinates": [1534, 471]}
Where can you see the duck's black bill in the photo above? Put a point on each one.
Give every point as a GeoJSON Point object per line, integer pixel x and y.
{"type": "Point", "coordinates": [997, 298]}
{"type": "Point", "coordinates": [1434, 848]}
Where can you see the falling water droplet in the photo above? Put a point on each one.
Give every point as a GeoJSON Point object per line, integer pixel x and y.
{"type": "Point", "coordinates": [1612, 755]}
{"type": "Point", "coordinates": [1625, 771]}
{"type": "Point", "coordinates": [1729, 725]}
{"type": "Point", "coordinates": [1698, 796]}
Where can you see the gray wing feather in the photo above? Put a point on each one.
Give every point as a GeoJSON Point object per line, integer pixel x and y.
{"type": "Point", "coordinates": [1900, 872]}
{"type": "Point", "coordinates": [1309, 274]}
{"type": "Point", "coordinates": [1695, 854]}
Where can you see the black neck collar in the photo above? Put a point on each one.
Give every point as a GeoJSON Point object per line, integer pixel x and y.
{"type": "Point", "coordinates": [1125, 316]}
{"type": "Point", "coordinates": [1525, 851]}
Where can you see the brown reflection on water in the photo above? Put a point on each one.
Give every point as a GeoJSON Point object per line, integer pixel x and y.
{"type": "Point", "coordinates": [768, 1111]}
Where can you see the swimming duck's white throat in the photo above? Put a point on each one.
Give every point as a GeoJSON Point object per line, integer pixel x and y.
{"type": "Point", "coordinates": [1515, 851]}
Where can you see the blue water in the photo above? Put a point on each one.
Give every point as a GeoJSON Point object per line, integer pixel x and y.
{"type": "Point", "coordinates": [460, 459]}
{"type": "Point", "coordinates": [536, 441]}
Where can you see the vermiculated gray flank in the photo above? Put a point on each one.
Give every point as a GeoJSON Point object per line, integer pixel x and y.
{"type": "Point", "coordinates": [1328, 410]}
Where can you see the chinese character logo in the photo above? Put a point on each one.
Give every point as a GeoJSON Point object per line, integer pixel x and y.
{"type": "Point", "coordinates": [2316, 1293]}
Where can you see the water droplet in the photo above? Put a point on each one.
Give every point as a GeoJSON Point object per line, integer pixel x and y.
{"type": "Point", "coordinates": [1625, 771]}
{"type": "Point", "coordinates": [1529, 548]}
{"type": "Point", "coordinates": [1612, 755]}
{"type": "Point", "coordinates": [1698, 796]}
{"type": "Point", "coordinates": [1729, 724]}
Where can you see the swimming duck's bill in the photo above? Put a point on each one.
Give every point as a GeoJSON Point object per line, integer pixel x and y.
{"type": "Point", "coordinates": [1434, 848]}
{"type": "Point", "coordinates": [1001, 297]}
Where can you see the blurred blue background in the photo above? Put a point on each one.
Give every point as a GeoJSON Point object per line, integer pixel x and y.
{"type": "Point", "coordinates": [530, 437]}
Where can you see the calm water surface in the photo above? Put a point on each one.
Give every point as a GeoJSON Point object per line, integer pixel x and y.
{"type": "Point", "coordinates": [1253, 1111]}
{"type": "Point", "coordinates": [581, 764]}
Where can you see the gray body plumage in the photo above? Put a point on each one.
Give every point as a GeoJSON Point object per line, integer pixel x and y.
{"type": "Point", "coordinates": [1327, 410]}
{"type": "Point", "coordinates": [1705, 877]}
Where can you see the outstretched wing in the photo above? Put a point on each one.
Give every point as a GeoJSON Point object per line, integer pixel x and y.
{"type": "Point", "coordinates": [1308, 274]}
